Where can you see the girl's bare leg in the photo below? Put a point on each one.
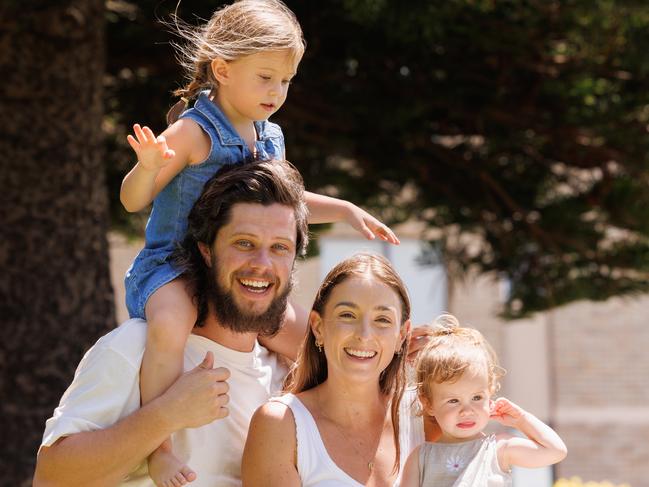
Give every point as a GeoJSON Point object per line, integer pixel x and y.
{"type": "Point", "coordinates": [170, 315]}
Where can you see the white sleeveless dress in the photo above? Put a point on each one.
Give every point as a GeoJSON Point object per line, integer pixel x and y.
{"type": "Point", "coordinates": [315, 466]}
{"type": "Point", "coordinates": [469, 464]}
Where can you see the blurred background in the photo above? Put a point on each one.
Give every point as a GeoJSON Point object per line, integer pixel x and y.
{"type": "Point", "coordinates": [506, 142]}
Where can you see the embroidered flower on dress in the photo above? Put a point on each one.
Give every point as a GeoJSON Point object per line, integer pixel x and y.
{"type": "Point", "coordinates": [454, 463]}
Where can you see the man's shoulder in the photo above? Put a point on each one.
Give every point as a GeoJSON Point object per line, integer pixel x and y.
{"type": "Point", "coordinates": [127, 340]}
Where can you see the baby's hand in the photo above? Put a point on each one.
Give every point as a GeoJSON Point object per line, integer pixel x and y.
{"type": "Point", "coordinates": [152, 152]}
{"type": "Point", "coordinates": [506, 412]}
{"type": "Point", "coordinates": [369, 226]}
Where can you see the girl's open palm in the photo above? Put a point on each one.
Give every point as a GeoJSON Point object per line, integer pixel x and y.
{"type": "Point", "coordinates": [152, 152]}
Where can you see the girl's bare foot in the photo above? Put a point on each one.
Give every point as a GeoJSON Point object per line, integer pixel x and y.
{"type": "Point", "coordinates": [167, 471]}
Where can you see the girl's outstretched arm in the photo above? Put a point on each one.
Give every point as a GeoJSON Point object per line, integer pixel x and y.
{"type": "Point", "coordinates": [159, 159]}
{"type": "Point", "coordinates": [541, 448]}
{"type": "Point", "coordinates": [325, 209]}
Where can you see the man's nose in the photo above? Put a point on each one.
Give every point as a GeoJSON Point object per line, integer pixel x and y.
{"type": "Point", "coordinates": [261, 259]}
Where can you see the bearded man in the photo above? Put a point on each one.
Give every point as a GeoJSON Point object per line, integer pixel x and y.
{"type": "Point", "coordinates": [244, 234]}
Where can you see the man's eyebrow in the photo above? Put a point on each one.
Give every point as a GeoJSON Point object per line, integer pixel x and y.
{"type": "Point", "coordinates": [255, 236]}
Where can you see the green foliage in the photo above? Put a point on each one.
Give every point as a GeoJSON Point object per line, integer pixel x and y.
{"type": "Point", "coordinates": [521, 122]}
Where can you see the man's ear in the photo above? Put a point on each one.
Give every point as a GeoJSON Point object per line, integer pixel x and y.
{"type": "Point", "coordinates": [206, 253]}
{"type": "Point", "coordinates": [220, 70]}
{"type": "Point", "coordinates": [315, 322]}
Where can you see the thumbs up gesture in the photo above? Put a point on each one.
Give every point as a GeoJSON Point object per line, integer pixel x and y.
{"type": "Point", "coordinates": [198, 397]}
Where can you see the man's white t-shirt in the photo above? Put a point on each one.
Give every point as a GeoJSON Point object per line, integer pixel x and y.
{"type": "Point", "coordinates": [106, 388]}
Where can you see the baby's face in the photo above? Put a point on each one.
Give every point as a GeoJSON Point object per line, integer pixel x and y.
{"type": "Point", "coordinates": [461, 408]}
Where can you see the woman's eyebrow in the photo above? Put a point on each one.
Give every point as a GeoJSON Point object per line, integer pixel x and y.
{"type": "Point", "coordinates": [347, 304]}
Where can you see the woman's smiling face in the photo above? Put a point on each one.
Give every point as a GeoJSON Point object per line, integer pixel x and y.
{"type": "Point", "coordinates": [360, 328]}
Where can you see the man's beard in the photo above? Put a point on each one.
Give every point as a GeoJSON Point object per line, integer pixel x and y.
{"type": "Point", "coordinates": [230, 316]}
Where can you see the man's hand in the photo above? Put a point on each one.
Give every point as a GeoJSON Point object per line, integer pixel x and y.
{"type": "Point", "coordinates": [198, 397]}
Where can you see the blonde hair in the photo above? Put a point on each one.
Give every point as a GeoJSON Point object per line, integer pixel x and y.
{"type": "Point", "coordinates": [452, 351]}
{"type": "Point", "coordinates": [310, 369]}
{"type": "Point", "coordinates": [240, 29]}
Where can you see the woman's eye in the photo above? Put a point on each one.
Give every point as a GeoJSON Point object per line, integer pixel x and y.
{"type": "Point", "coordinates": [452, 401]}
{"type": "Point", "coordinates": [346, 315]}
{"type": "Point", "coordinates": [286, 81]}
{"type": "Point", "coordinates": [264, 77]}
{"type": "Point", "coordinates": [384, 320]}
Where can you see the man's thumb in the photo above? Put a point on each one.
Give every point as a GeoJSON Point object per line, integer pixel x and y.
{"type": "Point", "coordinates": [208, 361]}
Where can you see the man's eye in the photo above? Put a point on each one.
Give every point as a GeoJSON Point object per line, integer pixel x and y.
{"type": "Point", "coordinates": [243, 243]}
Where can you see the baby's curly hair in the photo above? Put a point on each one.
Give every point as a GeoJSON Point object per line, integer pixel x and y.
{"type": "Point", "coordinates": [452, 351]}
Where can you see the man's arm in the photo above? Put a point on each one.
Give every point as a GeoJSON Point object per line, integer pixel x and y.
{"type": "Point", "coordinates": [105, 457]}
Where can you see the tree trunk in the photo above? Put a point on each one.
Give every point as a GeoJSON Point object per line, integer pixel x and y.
{"type": "Point", "coordinates": [55, 292]}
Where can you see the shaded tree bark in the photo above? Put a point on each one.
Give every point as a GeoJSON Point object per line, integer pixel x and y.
{"type": "Point", "coordinates": [55, 291]}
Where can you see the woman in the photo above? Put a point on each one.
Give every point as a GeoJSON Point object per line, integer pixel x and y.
{"type": "Point", "coordinates": [339, 423]}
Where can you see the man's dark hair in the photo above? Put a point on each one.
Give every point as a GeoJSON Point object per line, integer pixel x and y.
{"type": "Point", "coordinates": [261, 182]}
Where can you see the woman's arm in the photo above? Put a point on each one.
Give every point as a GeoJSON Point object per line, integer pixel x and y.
{"type": "Point", "coordinates": [270, 455]}
{"type": "Point", "coordinates": [542, 447]}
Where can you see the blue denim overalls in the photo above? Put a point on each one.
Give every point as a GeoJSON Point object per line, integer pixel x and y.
{"type": "Point", "coordinates": [168, 220]}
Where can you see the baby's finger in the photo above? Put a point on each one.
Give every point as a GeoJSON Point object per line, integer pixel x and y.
{"type": "Point", "coordinates": [169, 153]}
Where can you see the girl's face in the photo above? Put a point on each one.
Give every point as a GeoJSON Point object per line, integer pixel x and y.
{"type": "Point", "coordinates": [360, 328]}
{"type": "Point", "coordinates": [254, 87]}
{"type": "Point", "coordinates": [461, 408]}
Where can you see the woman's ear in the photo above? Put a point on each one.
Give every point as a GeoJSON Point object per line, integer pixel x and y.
{"type": "Point", "coordinates": [220, 70]}
{"type": "Point", "coordinates": [315, 322]}
{"type": "Point", "coordinates": [405, 333]}
{"type": "Point", "coordinates": [206, 253]}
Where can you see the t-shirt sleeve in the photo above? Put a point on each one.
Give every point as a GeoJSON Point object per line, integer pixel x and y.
{"type": "Point", "coordinates": [105, 389]}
